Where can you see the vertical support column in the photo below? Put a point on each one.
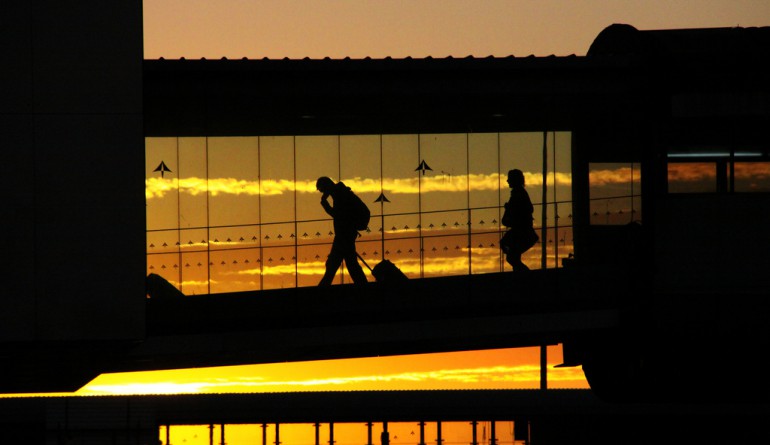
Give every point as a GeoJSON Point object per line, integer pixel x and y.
{"type": "Point", "coordinates": [317, 433]}
{"type": "Point", "coordinates": [264, 434]}
{"type": "Point", "coordinates": [492, 434]}
{"type": "Point", "coordinates": [439, 439]}
{"type": "Point", "coordinates": [331, 433]}
{"type": "Point", "coordinates": [277, 434]}
{"type": "Point", "coordinates": [543, 250]}
{"type": "Point", "coordinates": [222, 435]}
{"type": "Point", "coordinates": [422, 433]}
{"type": "Point", "coordinates": [521, 430]}
{"type": "Point", "coordinates": [544, 207]}
{"type": "Point", "coordinates": [168, 434]}
{"type": "Point", "coordinates": [474, 440]}
{"type": "Point", "coordinates": [384, 435]}
{"type": "Point", "coordinates": [369, 433]}
{"type": "Point", "coordinates": [211, 434]}
{"type": "Point", "coordinates": [543, 367]}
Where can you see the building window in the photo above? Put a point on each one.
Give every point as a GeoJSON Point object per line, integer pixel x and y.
{"type": "Point", "coordinates": [230, 214]}
{"type": "Point", "coordinates": [615, 193]}
{"type": "Point", "coordinates": [718, 170]}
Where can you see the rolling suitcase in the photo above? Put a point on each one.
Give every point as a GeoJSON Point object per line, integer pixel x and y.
{"type": "Point", "coordinates": [386, 272]}
{"type": "Point", "coordinates": [159, 288]}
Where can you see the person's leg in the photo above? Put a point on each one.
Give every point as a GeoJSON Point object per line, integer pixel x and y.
{"type": "Point", "coordinates": [354, 269]}
{"type": "Point", "coordinates": [348, 247]}
{"type": "Point", "coordinates": [513, 257]}
{"type": "Point", "coordinates": [510, 258]}
{"type": "Point", "coordinates": [520, 264]}
{"type": "Point", "coordinates": [333, 263]}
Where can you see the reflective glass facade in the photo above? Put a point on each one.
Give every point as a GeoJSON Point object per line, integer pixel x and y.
{"type": "Point", "coordinates": [229, 214]}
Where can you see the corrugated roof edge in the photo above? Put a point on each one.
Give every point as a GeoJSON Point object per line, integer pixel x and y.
{"type": "Point", "coordinates": [349, 59]}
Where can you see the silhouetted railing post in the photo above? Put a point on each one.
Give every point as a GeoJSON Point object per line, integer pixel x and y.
{"type": "Point", "coordinates": [422, 433]}
{"type": "Point", "coordinates": [474, 440]}
{"type": "Point", "coordinates": [544, 367]}
{"type": "Point", "coordinates": [264, 434]}
{"type": "Point", "coordinates": [277, 434]}
{"type": "Point", "coordinates": [384, 436]}
{"type": "Point", "coordinates": [492, 433]}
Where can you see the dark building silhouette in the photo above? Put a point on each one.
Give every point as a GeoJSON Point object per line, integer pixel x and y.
{"type": "Point", "coordinates": [73, 251]}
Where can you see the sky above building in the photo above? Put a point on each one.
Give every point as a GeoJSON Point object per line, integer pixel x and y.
{"type": "Point", "coordinates": [438, 28]}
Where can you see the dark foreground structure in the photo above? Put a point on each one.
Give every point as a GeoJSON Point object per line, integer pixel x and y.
{"type": "Point", "coordinates": [539, 417]}
{"type": "Point", "coordinates": [670, 311]}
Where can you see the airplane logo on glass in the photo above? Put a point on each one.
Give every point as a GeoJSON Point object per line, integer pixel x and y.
{"type": "Point", "coordinates": [162, 168]}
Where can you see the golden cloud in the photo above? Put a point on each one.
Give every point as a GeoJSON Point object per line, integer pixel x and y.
{"type": "Point", "coordinates": [620, 175]}
{"type": "Point", "coordinates": [159, 187]}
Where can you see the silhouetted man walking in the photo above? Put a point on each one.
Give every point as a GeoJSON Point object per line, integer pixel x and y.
{"type": "Point", "coordinates": [344, 212]}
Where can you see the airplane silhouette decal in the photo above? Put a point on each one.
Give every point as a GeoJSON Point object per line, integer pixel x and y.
{"type": "Point", "coordinates": [162, 168]}
{"type": "Point", "coordinates": [423, 167]}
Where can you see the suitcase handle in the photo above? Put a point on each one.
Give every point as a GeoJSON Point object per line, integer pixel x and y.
{"type": "Point", "coordinates": [364, 261]}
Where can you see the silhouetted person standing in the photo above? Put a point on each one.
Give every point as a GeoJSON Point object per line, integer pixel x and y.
{"type": "Point", "coordinates": [345, 233]}
{"type": "Point", "coordinates": [518, 218]}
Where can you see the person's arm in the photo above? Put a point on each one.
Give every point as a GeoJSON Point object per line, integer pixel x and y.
{"type": "Point", "coordinates": [325, 203]}
{"type": "Point", "coordinates": [530, 207]}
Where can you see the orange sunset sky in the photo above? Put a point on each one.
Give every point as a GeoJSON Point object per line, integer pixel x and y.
{"type": "Point", "coordinates": [361, 28]}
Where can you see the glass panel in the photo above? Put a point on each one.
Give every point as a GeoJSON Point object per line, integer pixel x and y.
{"type": "Point", "coordinates": [311, 260]}
{"type": "Point", "coordinates": [316, 156]}
{"type": "Point", "coordinates": [445, 185]}
{"type": "Point", "coordinates": [486, 255]}
{"type": "Point", "coordinates": [360, 170]}
{"type": "Point", "coordinates": [752, 176]}
{"type": "Point", "coordinates": [281, 234]}
{"type": "Point", "coordinates": [405, 254]}
{"type": "Point", "coordinates": [399, 160]}
{"type": "Point", "coordinates": [193, 184]}
{"type": "Point", "coordinates": [164, 241]}
{"type": "Point", "coordinates": [162, 183]}
{"type": "Point", "coordinates": [165, 265]}
{"type": "Point", "coordinates": [562, 186]}
{"type": "Point", "coordinates": [195, 273]}
{"type": "Point", "coordinates": [614, 193]}
{"type": "Point", "coordinates": [692, 177]}
{"type": "Point", "coordinates": [276, 156]}
{"type": "Point", "coordinates": [371, 252]}
{"type": "Point", "coordinates": [484, 180]}
{"type": "Point", "coordinates": [533, 257]}
{"type": "Point", "coordinates": [233, 180]}
{"type": "Point", "coordinates": [523, 151]}
{"type": "Point", "coordinates": [401, 226]}
{"type": "Point", "coordinates": [446, 255]}
{"type": "Point", "coordinates": [485, 183]}
{"type": "Point", "coordinates": [278, 267]}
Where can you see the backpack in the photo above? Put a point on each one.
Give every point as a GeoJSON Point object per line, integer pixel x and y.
{"type": "Point", "coordinates": [360, 213]}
